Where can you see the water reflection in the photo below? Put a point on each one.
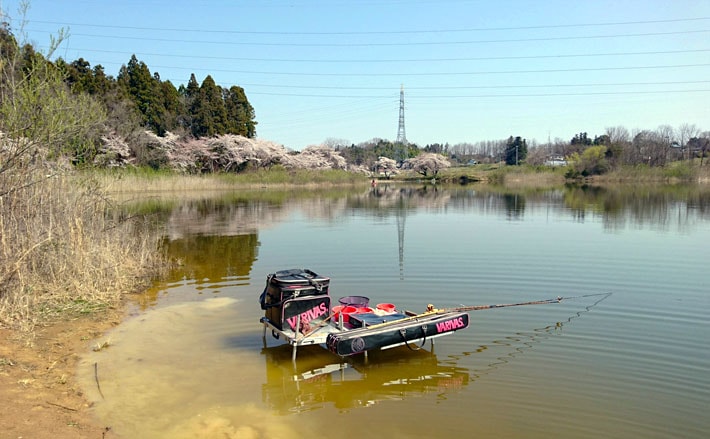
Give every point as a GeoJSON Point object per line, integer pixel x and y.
{"type": "Point", "coordinates": [521, 342]}
{"type": "Point", "coordinates": [209, 259]}
{"type": "Point", "coordinates": [320, 379]}
{"type": "Point", "coordinates": [619, 206]}
{"type": "Point", "coordinates": [199, 367]}
{"type": "Point", "coordinates": [217, 239]}
{"type": "Point", "coordinates": [655, 207]}
{"type": "Point", "coordinates": [514, 206]}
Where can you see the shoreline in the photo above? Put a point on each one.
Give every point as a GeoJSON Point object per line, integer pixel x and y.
{"type": "Point", "coordinates": [38, 376]}
{"type": "Point", "coordinates": [38, 370]}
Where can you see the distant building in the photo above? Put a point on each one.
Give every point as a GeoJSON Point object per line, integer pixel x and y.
{"type": "Point", "coordinates": [556, 160]}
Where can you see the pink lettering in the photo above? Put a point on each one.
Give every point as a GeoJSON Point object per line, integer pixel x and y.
{"type": "Point", "coordinates": [450, 325]}
{"type": "Point", "coordinates": [309, 315]}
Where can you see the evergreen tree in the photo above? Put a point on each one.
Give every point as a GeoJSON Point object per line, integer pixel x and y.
{"type": "Point", "coordinates": [208, 110]}
{"type": "Point", "coordinates": [136, 80]}
{"type": "Point", "coordinates": [516, 151]}
{"type": "Point", "coordinates": [158, 103]}
{"type": "Point", "coordinates": [193, 87]}
{"type": "Point", "coordinates": [240, 113]}
{"type": "Point", "coordinates": [581, 139]}
{"type": "Point", "coordinates": [187, 96]}
{"type": "Point", "coordinates": [172, 106]}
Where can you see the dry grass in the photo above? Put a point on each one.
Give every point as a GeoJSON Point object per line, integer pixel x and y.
{"type": "Point", "coordinates": [127, 182]}
{"type": "Point", "coordinates": [65, 250]}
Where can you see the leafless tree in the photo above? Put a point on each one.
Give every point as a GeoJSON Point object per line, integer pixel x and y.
{"type": "Point", "coordinates": [700, 144]}
{"type": "Point", "coordinates": [685, 133]}
{"type": "Point", "coordinates": [537, 156]}
{"type": "Point", "coordinates": [650, 147]}
{"type": "Point", "coordinates": [618, 134]}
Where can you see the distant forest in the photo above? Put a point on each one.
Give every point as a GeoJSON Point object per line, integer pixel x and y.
{"type": "Point", "coordinates": [202, 110]}
{"type": "Point", "coordinates": [133, 102]}
{"type": "Point", "coordinates": [75, 111]}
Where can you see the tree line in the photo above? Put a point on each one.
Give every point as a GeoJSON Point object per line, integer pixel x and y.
{"type": "Point", "coordinates": [593, 154]}
{"type": "Point", "coordinates": [78, 111]}
{"type": "Point", "coordinates": [134, 101]}
{"type": "Point", "coordinates": [201, 110]}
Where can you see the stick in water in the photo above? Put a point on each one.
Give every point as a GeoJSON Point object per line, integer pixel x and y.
{"type": "Point", "coordinates": [96, 377]}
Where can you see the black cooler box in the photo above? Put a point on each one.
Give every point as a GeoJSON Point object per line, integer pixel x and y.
{"type": "Point", "coordinates": [285, 286]}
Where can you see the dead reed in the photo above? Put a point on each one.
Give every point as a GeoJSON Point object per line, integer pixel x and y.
{"type": "Point", "coordinates": [66, 249]}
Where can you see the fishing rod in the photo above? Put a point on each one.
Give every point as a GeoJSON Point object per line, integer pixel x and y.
{"type": "Point", "coordinates": [558, 299]}
{"type": "Point", "coordinates": [434, 311]}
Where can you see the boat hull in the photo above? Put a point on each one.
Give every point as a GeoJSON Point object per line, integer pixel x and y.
{"type": "Point", "coordinates": [395, 333]}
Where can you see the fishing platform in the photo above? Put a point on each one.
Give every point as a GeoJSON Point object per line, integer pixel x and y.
{"type": "Point", "coordinates": [298, 310]}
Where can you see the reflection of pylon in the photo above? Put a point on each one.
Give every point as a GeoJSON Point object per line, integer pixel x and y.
{"type": "Point", "coordinates": [401, 216]}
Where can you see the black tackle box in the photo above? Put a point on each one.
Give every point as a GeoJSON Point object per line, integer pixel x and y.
{"type": "Point", "coordinates": [285, 285]}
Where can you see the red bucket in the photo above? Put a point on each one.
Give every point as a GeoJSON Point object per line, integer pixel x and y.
{"type": "Point", "coordinates": [386, 307]}
{"type": "Point", "coordinates": [364, 310]}
{"type": "Point", "coordinates": [346, 311]}
{"type": "Point", "coordinates": [336, 312]}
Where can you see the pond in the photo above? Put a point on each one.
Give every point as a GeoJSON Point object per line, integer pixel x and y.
{"type": "Point", "coordinates": [192, 362]}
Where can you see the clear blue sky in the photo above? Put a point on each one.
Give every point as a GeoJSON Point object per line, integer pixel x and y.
{"type": "Point", "coordinates": [472, 70]}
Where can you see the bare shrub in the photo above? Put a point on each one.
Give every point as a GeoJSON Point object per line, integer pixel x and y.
{"type": "Point", "coordinates": [62, 251]}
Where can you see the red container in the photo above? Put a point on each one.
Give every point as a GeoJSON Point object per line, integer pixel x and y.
{"type": "Point", "coordinates": [336, 312]}
{"type": "Point", "coordinates": [386, 307]}
{"type": "Point", "coordinates": [364, 310]}
{"type": "Point", "coordinates": [346, 311]}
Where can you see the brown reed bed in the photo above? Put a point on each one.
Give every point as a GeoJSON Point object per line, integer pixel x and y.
{"type": "Point", "coordinates": [66, 249]}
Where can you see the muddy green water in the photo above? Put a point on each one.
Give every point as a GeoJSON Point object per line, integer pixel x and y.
{"type": "Point", "coordinates": [191, 362]}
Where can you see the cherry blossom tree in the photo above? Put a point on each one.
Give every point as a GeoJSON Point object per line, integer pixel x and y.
{"type": "Point", "coordinates": [386, 166]}
{"type": "Point", "coordinates": [114, 151]}
{"type": "Point", "coordinates": [427, 164]}
{"type": "Point", "coordinates": [316, 157]}
{"type": "Point", "coordinates": [233, 153]}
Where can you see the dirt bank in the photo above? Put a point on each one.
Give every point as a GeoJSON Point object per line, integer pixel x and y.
{"type": "Point", "coordinates": [41, 399]}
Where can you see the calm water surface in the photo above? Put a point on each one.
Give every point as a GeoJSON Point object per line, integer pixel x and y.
{"type": "Point", "coordinates": [192, 362]}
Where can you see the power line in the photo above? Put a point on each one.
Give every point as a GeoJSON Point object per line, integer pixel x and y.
{"type": "Point", "coordinates": [408, 43]}
{"type": "Point", "coordinates": [328, 61]}
{"type": "Point", "coordinates": [623, 92]}
{"type": "Point", "coordinates": [488, 72]}
{"type": "Point", "coordinates": [468, 87]}
{"type": "Point", "coordinates": [376, 32]}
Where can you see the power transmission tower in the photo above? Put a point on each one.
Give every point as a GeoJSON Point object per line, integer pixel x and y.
{"type": "Point", "coordinates": [401, 141]}
{"type": "Point", "coordinates": [401, 136]}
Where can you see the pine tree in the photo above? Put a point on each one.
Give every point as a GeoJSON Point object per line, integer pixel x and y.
{"type": "Point", "coordinates": [240, 113]}
{"type": "Point", "coordinates": [208, 110]}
